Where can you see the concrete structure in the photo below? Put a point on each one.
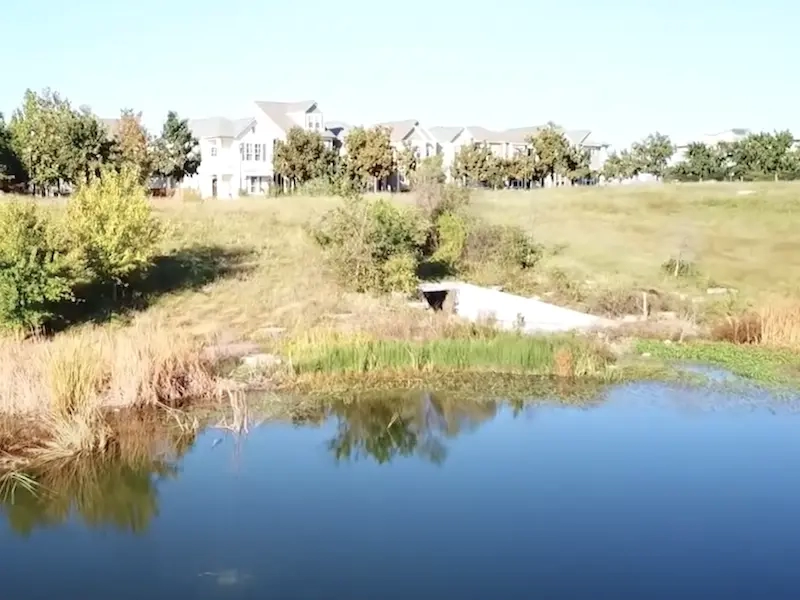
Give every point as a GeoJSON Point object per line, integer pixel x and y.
{"type": "Point", "coordinates": [508, 311]}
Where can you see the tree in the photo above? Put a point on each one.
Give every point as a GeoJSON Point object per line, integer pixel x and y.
{"type": "Point", "coordinates": [407, 162]}
{"type": "Point", "coordinates": [89, 147]}
{"type": "Point", "coordinates": [302, 157]}
{"type": "Point", "coordinates": [476, 165]}
{"type": "Point", "coordinates": [369, 155]}
{"type": "Point", "coordinates": [652, 154]}
{"type": "Point", "coordinates": [176, 153]}
{"type": "Point", "coordinates": [40, 135]}
{"type": "Point", "coordinates": [620, 165]}
{"type": "Point", "coordinates": [132, 146]}
{"type": "Point", "coordinates": [11, 170]}
{"type": "Point", "coordinates": [702, 162]}
{"type": "Point", "coordinates": [552, 151]}
{"type": "Point", "coordinates": [762, 156]}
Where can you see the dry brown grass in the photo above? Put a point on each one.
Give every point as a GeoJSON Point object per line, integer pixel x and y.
{"type": "Point", "coordinates": [98, 368]}
{"type": "Point", "coordinates": [775, 324]}
{"type": "Point", "coordinates": [55, 393]}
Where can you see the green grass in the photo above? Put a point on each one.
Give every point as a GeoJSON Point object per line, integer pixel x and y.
{"type": "Point", "coordinates": [505, 352]}
{"type": "Point", "coordinates": [759, 363]}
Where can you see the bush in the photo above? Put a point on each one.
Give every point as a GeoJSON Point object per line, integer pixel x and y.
{"type": "Point", "coordinates": [451, 232]}
{"type": "Point", "coordinates": [435, 199]}
{"type": "Point", "coordinates": [35, 271]}
{"type": "Point", "coordinates": [509, 246]}
{"type": "Point", "coordinates": [110, 224]}
{"type": "Point", "coordinates": [367, 243]}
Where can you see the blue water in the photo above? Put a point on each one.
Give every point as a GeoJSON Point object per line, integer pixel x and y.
{"type": "Point", "coordinates": [648, 492]}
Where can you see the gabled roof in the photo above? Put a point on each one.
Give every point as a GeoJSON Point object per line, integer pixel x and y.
{"type": "Point", "coordinates": [213, 127]}
{"type": "Point", "coordinates": [520, 135]}
{"type": "Point", "coordinates": [399, 130]}
{"type": "Point", "coordinates": [279, 111]}
{"type": "Point", "coordinates": [445, 134]}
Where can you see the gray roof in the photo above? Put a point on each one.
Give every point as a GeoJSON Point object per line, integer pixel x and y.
{"type": "Point", "coordinates": [279, 111]}
{"type": "Point", "coordinates": [214, 127]}
{"type": "Point", "coordinates": [399, 130]}
{"type": "Point", "coordinates": [337, 128]}
{"type": "Point", "coordinates": [520, 135]}
{"type": "Point", "coordinates": [445, 134]}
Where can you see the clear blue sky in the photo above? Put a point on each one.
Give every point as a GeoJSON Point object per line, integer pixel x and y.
{"type": "Point", "coordinates": [622, 68]}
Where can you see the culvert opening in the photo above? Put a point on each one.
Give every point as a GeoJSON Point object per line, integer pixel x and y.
{"type": "Point", "coordinates": [440, 299]}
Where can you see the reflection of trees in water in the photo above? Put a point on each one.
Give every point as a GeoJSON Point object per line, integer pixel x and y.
{"type": "Point", "coordinates": [119, 492]}
{"type": "Point", "coordinates": [390, 427]}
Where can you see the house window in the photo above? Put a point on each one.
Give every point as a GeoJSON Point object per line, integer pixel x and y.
{"type": "Point", "coordinates": [258, 152]}
{"type": "Point", "coordinates": [253, 129]}
{"type": "Point", "coordinates": [248, 151]}
{"type": "Point", "coordinates": [213, 150]}
{"type": "Point", "coordinates": [241, 151]}
{"type": "Point", "coordinates": [255, 185]}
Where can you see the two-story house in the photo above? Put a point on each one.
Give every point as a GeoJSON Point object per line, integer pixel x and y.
{"type": "Point", "coordinates": [409, 134]}
{"type": "Point", "coordinates": [236, 154]}
{"type": "Point", "coordinates": [510, 142]}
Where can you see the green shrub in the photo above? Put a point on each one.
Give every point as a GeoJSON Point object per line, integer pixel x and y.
{"type": "Point", "coordinates": [111, 225]}
{"type": "Point", "coordinates": [361, 236]}
{"type": "Point", "coordinates": [400, 274]}
{"type": "Point", "coordinates": [35, 271]}
{"type": "Point", "coordinates": [451, 231]}
{"type": "Point", "coordinates": [435, 199]}
{"type": "Point", "coordinates": [509, 246]}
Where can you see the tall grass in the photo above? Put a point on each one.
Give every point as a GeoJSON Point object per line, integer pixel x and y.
{"type": "Point", "coordinates": [64, 386]}
{"type": "Point", "coordinates": [775, 324]}
{"type": "Point", "coordinates": [562, 356]}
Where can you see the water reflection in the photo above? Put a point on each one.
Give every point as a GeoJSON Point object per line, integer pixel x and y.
{"type": "Point", "coordinates": [386, 428]}
{"type": "Point", "coordinates": [120, 493]}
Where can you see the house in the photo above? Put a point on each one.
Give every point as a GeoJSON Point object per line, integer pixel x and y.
{"type": "Point", "coordinates": [409, 134]}
{"type": "Point", "coordinates": [734, 134]}
{"type": "Point", "coordinates": [508, 143]}
{"type": "Point", "coordinates": [237, 153]}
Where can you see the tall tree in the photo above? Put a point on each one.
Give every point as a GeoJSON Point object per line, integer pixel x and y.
{"type": "Point", "coordinates": [302, 157]}
{"type": "Point", "coordinates": [133, 145]}
{"type": "Point", "coordinates": [369, 157]}
{"type": "Point", "coordinates": [40, 134]}
{"type": "Point", "coordinates": [652, 154]}
{"type": "Point", "coordinates": [476, 165]}
{"type": "Point", "coordinates": [552, 151]}
{"type": "Point", "coordinates": [11, 170]}
{"type": "Point", "coordinates": [89, 147]}
{"type": "Point", "coordinates": [176, 153]}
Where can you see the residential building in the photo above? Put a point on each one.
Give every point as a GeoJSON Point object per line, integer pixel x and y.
{"type": "Point", "coordinates": [237, 153]}
{"type": "Point", "coordinates": [711, 139]}
{"type": "Point", "coordinates": [409, 134]}
{"type": "Point", "coordinates": [510, 142]}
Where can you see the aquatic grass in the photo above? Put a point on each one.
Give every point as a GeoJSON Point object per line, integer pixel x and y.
{"type": "Point", "coordinates": [760, 363]}
{"type": "Point", "coordinates": [562, 356]}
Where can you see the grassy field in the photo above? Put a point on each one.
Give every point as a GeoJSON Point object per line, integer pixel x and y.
{"type": "Point", "coordinates": [253, 268]}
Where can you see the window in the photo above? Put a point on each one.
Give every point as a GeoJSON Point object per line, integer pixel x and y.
{"type": "Point", "coordinates": [241, 151]}
{"type": "Point", "coordinates": [258, 153]}
{"type": "Point", "coordinates": [255, 185]}
{"type": "Point", "coordinates": [213, 150]}
{"type": "Point", "coordinates": [248, 151]}
{"type": "Point", "coordinates": [316, 125]}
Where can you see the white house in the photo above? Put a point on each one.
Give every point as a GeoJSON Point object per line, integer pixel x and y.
{"type": "Point", "coordinates": [237, 153]}
{"type": "Point", "coordinates": [711, 139]}
{"type": "Point", "coordinates": [510, 142]}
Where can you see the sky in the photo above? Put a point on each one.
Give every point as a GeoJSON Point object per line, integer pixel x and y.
{"type": "Point", "coordinates": [620, 68]}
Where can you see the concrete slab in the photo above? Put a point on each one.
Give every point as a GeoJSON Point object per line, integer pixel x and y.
{"type": "Point", "coordinates": [509, 311]}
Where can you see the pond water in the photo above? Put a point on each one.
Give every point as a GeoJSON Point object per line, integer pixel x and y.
{"type": "Point", "coordinates": [645, 492]}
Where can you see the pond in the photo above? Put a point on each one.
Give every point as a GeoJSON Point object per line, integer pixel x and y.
{"type": "Point", "coordinates": [646, 491]}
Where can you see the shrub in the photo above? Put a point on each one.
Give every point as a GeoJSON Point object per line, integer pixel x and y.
{"type": "Point", "coordinates": [400, 273]}
{"type": "Point", "coordinates": [35, 272]}
{"type": "Point", "coordinates": [505, 245]}
{"type": "Point", "coordinates": [110, 223]}
{"type": "Point", "coordinates": [451, 231]}
{"type": "Point", "coordinates": [362, 236]}
{"type": "Point", "coordinates": [435, 199]}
